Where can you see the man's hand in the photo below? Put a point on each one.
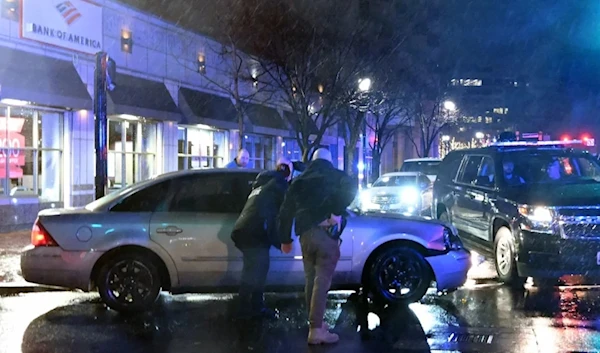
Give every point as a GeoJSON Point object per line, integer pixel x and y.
{"type": "Point", "coordinates": [286, 248]}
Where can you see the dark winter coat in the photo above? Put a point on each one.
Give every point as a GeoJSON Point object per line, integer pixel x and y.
{"type": "Point", "coordinates": [257, 224]}
{"type": "Point", "coordinates": [317, 193]}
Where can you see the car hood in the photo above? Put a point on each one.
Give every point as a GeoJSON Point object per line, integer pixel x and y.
{"type": "Point", "coordinates": [583, 194]}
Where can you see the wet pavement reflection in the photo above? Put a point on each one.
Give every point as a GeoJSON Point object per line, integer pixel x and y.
{"type": "Point", "coordinates": [483, 318]}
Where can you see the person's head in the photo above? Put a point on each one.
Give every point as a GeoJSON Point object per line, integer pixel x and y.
{"type": "Point", "coordinates": [508, 167]}
{"type": "Point", "coordinates": [553, 170]}
{"type": "Point", "coordinates": [243, 157]}
{"type": "Point", "coordinates": [286, 167]}
{"type": "Point", "coordinates": [322, 153]}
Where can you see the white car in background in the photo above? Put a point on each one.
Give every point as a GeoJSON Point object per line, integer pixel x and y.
{"type": "Point", "coordinates": [407, 193]}
{"type": "Point", "coordinates": [173, 233]}
{"type": "Point", "coordinates": [427, 166]}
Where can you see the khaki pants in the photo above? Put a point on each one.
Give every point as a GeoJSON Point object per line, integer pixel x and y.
{"type": "Point", "coordinates": [320, 254]}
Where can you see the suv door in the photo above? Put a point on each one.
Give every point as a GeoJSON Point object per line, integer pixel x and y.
{"type": "Point", "coordinates": [464, 212]}
{"type": "Point", "coordinates": [196, 227]}
{"type": "Point", "coordinates": [482, 196]}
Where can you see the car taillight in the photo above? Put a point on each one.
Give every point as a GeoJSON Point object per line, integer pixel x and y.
{"type": "Point", "coordinates": [40, 236]}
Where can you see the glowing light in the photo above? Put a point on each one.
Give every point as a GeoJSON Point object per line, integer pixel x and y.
{"type": "Point", "coordinates": [361, 166]}
{"type": "Point", "coordinates": [449, 106]}
{"type": "Point", "coordinates": [14, 102]}
{"type": "Point", "coordinates": [479, 135]}
{"type": "Point", "coordinates": [364, 84]}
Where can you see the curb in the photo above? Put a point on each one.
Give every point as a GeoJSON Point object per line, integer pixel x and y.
{"type": "Point", "coordinates": [8, 289]}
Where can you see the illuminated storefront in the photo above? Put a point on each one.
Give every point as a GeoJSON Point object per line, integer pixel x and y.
{"type": "Point", "coordinates": [201, 147]}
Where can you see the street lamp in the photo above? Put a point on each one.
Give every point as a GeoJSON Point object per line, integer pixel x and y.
{"type": "Point", "coordinates": [364, 84]}
{"type": "Point", "coordinates": [479, 135]}
{"type": "Point", "coordinates": [445, 138]}
{"type": "Point", "coordinates": [450, 106]}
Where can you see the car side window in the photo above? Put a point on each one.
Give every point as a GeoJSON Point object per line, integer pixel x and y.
{"type": "Point", "coordinates": [215, 193]}
{"type": "Point", "coordinates": [469, 169]}
{"type": "Point", "coordinates": [487, 173]}
{"type": "Point", "coordinates": [145, 200]}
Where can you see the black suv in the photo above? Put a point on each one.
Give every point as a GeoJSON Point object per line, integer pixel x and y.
{"type": "Point", "coordinates": [534, 208]}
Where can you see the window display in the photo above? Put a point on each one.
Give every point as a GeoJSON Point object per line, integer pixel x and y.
{"type": "Point", "coordinates": [30, 152]}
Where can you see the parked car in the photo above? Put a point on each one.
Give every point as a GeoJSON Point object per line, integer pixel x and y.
{"type": "Point", "coordinates": [532, 207]}
{"type": "Point", "coordinates": [172, 233]}
{"type": "Point", "coordinates": [408, 193]}
{"type": "Point", "coordinates": [427, 166]}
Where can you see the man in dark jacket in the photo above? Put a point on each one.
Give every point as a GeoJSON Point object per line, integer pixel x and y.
{"type": "Point", "coordinates": [255, 231]}
{"type": "Point", "coordinates": [317, 200]}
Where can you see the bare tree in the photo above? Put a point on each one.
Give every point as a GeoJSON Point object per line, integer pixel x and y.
{"type": "Point", "coordinates": [232, 71]}
{"type": "Point", "coordinates": [387, 117]}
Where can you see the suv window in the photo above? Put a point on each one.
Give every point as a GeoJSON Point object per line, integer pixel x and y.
{"type": "Point", "coordinates": [487, 173]}
{"type": "Point", "coordinates": [214, 193]}
{"type": "Point", "coordinates": [145, 200]}
{"type": "Point", "coordinates": [470, 169]}
{"type": "Point", "coordinates": [449, 166]}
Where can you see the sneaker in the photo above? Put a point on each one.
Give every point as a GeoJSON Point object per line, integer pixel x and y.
{"type": "Point", "coordinates": [322, 336]}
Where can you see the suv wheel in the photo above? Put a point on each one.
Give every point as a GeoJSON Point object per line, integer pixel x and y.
{"type": "Point", "coordinates": [399, 276]}
{"type": "Point", "coordinates": [129, 282]}
{"type": "Point", "coordinates": [504, 258]}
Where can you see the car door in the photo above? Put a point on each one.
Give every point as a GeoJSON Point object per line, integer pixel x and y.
{"type": "Point", "coordinates": [196, 227]}
{"type": "Point", "coordinates": [464, 212]}
{"type": "Point", "coordinates": [482, 197]}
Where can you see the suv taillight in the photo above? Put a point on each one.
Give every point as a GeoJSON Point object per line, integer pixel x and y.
{"type": "Point", "coordinates": [40, 236]}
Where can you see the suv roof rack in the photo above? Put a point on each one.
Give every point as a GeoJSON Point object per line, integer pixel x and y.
{"type": "Point", "coordinates": [536, 143]}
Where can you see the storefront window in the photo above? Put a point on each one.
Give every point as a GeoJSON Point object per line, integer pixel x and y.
{"type": "Point", "coordinates": [30, 153]}
{"type": "Point", "coordinates": [200, 147]}
{"type": "Point", "coordinates": [291, 150]}
{"type": "Point", "coordinates": [261, 150]}
{"type": "Point", "coordinates": [131, 151]}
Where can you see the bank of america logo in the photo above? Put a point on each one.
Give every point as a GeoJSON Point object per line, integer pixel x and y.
{"type": "Point", "coordinates": [69, 13]}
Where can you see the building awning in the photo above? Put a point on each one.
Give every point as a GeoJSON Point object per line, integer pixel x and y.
{"type": "Point", "coordinates": [205, 108]}
{"type": "Point", "coordinates": [295, 123]}
{"type": "Point", "coordinates": [263, 116]}
{"type": "Point", "coordinates": [142, 97]}
{"type": "Point", "coordinates": [41, 80]}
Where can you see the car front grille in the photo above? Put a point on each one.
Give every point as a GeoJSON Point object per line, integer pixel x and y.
{"type": "Point", "coordinates": [385, 199]}
{"type": "Point", "coordinates": [580, 222]}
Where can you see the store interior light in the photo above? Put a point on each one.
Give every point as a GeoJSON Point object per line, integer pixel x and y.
{"type": "Point", "coordinates": [205, 127]}
{"type": "Point", "coordinates": [14, 102]}
{"type": "Point", "coordinates": [129, 117]}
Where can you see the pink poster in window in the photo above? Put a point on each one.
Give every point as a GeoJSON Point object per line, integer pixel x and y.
{"type": "Point", "coordinates": [11, 140]}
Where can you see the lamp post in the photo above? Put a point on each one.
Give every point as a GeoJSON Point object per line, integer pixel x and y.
{"type": "Point", "coordinates": [364, 85]}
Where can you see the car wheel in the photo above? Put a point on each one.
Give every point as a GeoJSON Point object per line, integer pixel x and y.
{"type": "Point", "coordinates": [129, 282]}
{"type": "Point", "coordinates": [399, 276]}
{"type": "Point", "coordinates": [504, 258]}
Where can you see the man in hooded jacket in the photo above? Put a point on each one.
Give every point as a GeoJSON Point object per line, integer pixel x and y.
{"type": "Point", "coordinates": [254, 233]}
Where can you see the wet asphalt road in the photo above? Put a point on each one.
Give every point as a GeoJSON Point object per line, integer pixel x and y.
{"type": "Point", "coordinates": [499, 319]}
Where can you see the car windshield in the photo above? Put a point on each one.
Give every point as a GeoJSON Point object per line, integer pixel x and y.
{"type": "Point", "coordinates": [549, 167]}
{"type": "Point", "coordinates": [395, 180]}
{"type": "Point", "coordinates": [425, 167]}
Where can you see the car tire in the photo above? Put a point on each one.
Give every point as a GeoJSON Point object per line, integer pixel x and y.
{"type": "Point", "coordinates": [505, 259]}
{"type": "Point", "coordinates": [401, 267]}
{"type": "Point", "coordinates": [124, 275]}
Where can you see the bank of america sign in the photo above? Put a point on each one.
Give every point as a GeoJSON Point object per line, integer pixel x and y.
{"type": "Point", "coordinates": [71, 24]}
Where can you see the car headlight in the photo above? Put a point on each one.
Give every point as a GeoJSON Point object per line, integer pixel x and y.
{"type": "Point", "coordinates": [538, 218]}
{"type": "Point", "coordinates": [451, 239]}
{"type": "Point", "coordinates": [409, 195]}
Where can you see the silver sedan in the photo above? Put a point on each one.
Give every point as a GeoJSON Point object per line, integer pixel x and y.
{"type": "Point", "coordinates": [172, 233]}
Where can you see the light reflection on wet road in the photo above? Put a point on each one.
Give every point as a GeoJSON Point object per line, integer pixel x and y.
{"type": "Point", "coordinates": [504, 319]}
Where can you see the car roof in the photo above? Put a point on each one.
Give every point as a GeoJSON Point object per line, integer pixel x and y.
{"type": "Point", "coordinates": [423, 160]}
{"type": "Point", "coordinates": [179, 173]}
{"type": "Point", "coordinates": [402, 174]}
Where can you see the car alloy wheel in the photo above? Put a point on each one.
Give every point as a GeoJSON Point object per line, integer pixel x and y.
{"type": "Point", "coordinates": [504, 258]}
{"type": "Point", "coordinates": [129, 282]}
{"type": "Point", "coordinates": [400, 275]}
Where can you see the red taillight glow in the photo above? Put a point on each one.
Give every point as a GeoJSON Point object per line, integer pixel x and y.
{"type": "Point", "coordinates": [40, 237]}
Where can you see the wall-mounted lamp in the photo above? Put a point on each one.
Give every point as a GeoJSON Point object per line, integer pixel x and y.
{"type": "Point", "coordinates": [126, 41]}
{"type": "Point", "coordinates": [201, 63]}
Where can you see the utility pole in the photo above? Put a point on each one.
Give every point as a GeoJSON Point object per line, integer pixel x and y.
{"type": "Point", "coordinates": [104, 74]}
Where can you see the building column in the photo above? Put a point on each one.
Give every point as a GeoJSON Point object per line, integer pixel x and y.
{"type": "Point", "coordinates": [234, 141]}
{"type": "Point", "coordinates": [51, 169]}
{"type": "Point", "coordinates": [79, 153]}
{"type": "Point", "coordinates": [167, 138]}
